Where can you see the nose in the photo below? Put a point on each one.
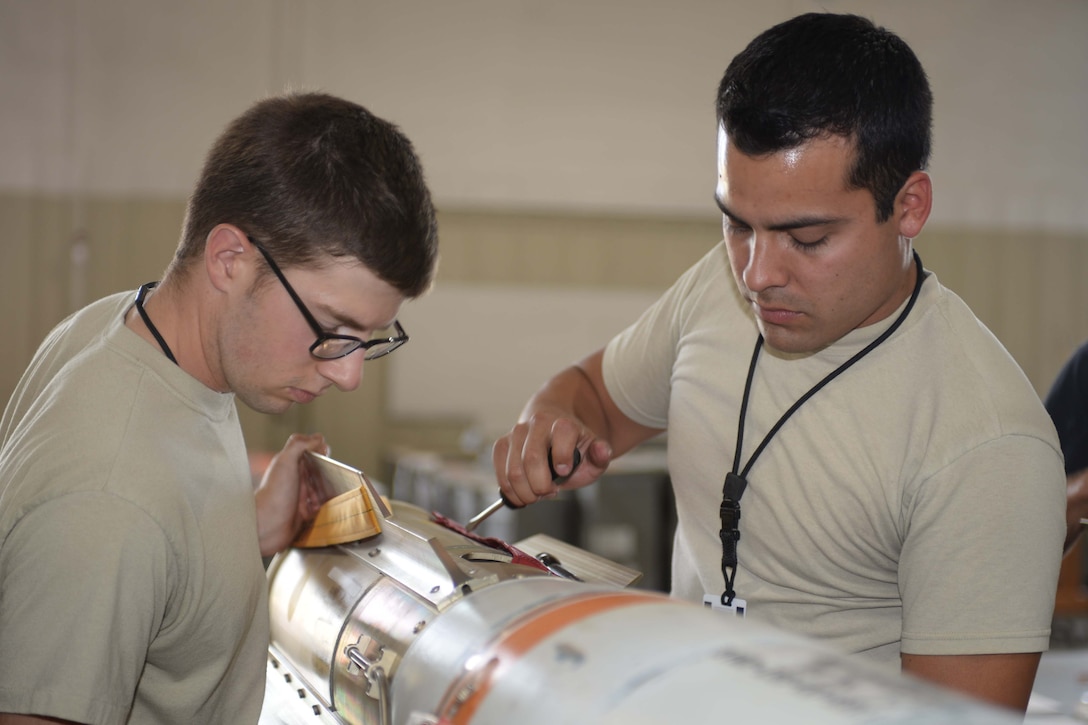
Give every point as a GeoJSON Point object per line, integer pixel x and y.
{"type": "Point", "coordinates": [766, 264]}
{"type": "Point", "coordinates": [345, 373]}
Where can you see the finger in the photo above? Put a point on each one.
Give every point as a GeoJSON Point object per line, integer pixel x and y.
{"type": "Point", "coordinates": [520, 490]}
{"type": "Point", "coordinates": [535, 454]}
{"type": "Point", "coordinates": [595, 461]}
{"type": "Point", "coordinates": [308, 442]}
{"type": "Point", "coordinates": [563, 441]}
{"type": "Point", "coordinates": [499, 452]}
{"type": "Point", "coordinates": [312, 490]}
{"type": "Point", "coordinates": [315, 505]}
{"type": "Point", "coordinates": [599, 453]}
{"type": "Point", "coordinates": [507, 466]}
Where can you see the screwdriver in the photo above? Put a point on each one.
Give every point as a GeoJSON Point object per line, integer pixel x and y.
{"type": "Point", "coordinates": [503, 501]}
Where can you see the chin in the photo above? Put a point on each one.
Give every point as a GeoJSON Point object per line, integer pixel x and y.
{"type": "Point", "coordinates": [791, 344]}
{"type": "Point", "coordinates": [268, 406]}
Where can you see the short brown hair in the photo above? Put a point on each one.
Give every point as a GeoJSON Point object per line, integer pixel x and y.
{"type": "Point", "coordinates": [310, 175]}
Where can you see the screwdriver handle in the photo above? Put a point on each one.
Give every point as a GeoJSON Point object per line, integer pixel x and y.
{"type": "Point", "coordinates": [577, 459]}
{"type": "Point", "coordinates": [555, 476]}
{"type": "Point", "coordinates": [504, 501]}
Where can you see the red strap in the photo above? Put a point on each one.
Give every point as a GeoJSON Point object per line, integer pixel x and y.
{"type": "Point", "coordinates": [520, 557]}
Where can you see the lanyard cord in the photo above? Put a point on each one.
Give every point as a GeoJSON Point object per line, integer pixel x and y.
{"type": "Point", "coordinates": [140, 295]}
{"type": "Point", "coordinates": [735, 482]}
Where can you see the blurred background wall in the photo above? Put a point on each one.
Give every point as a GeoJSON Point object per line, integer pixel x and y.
{"type": "Point", "coordinates": [570, 148]}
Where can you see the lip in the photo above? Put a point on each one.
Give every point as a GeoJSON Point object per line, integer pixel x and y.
{"type": "Point", "coordinates": [302, 396]}
{"type": "Point", "coordinates": [775, 315]}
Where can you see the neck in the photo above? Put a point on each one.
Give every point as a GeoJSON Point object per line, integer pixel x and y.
{"type": "Point", "coordinates": [148, 324]}
{"type": "Point", "coordinates": [186, 315]}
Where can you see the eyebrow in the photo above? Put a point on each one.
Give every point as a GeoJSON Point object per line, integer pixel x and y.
{"type": "Point", "coordinates": [340, 319]}
{"type": "Point", "coordinates": [783, 226]}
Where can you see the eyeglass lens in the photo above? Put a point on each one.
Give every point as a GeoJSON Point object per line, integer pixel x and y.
{"type": "Point", "coordinates": [382, 343]}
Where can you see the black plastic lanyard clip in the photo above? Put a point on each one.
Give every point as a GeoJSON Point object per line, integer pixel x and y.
{"type": "Point", "coordinates": [730, 531]}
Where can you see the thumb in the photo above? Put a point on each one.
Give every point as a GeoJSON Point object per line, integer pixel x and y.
{"type": "Point", "coordinates": [599, 453]}
{"type": "Point", "coordinates": [300, 442]}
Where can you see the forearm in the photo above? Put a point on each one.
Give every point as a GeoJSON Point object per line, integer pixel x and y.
{"type": "Point", "coordinates": [568, 394]}
{"type": "Point", "coordinates": [1001, 679]}
{"type": "Point", "coordinates": [275, 528]}
{"type": "Point", "coordinates": [579, 392]}
{"type": "Point", "coordinates": [572, 411]}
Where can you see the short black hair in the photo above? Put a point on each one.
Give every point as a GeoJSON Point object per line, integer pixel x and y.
{"type": "Point", "coordinates": [825, 74]}
{"type": "Point", "coordinates": [310, 175]}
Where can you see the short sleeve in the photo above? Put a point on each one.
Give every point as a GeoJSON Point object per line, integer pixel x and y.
{"type": "Point", "coordinates": [84, 584]}
{"type": "Point", "coordinates": [982, 551]}
{"type": "Point", "coordinates": [639, 362]}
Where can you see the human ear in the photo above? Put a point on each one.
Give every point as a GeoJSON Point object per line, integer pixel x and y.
{"type": "Point", "coordinates": [224, 252]}
{"type": "Point", "coordinates": [913, 204]}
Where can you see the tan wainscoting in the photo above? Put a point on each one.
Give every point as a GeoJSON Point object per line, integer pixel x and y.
{"type": "Point", "coordinates": [1026, 285]}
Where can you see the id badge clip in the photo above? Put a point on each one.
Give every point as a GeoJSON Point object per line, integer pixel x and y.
{"type": "Point", "coordinates": [714, 601]}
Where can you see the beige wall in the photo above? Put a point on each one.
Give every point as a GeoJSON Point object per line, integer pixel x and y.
{"type": "Point", "coordinates": [594, 106]}
{"type": "Point", "coordinates": [596, 115]}
{"type": "Point", "coordinates": [1025, 285]}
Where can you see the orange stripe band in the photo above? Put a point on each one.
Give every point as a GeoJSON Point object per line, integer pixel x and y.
{"type": "Point", "coordinates": [516, 642]}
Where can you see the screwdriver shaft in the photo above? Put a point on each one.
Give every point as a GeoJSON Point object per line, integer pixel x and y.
{"type": "Point", "coordinates": [480, 517]}
{"type": "Point", "coordinates": [502, 501]}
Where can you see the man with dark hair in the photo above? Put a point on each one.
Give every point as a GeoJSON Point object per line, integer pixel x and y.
{"type": "Point", "coordinates": [131, 538]}
{"type": "Point", "coordinates": [900, 482]}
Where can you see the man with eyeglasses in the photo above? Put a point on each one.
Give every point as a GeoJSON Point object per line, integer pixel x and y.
{"type": "Point", "coordinates": [131, 538]}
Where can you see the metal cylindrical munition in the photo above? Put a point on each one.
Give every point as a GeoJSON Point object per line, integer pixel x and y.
{"type": "Point", "coordinates": [423, 625]}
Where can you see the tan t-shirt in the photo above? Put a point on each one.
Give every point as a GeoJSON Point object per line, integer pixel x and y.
{"type": "Point", "coordinates": [914, 504]}
{"type": "Point", "coordinates": [131, 584]}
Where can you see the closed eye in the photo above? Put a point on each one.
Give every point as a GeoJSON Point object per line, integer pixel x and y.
{"type": "Point", "coordinates": [806, 245]}
{"type": "Point", "coordinates": [732, 227]}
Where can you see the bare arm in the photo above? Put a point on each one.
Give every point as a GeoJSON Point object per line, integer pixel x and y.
{"type": "Point", "coordinates": [1002, 679]}
{"type": "Point", "coordinates": [572, 410]}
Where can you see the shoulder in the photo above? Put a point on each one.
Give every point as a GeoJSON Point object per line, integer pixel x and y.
{"type": "Point", "coordinates": [965, 386]}
{"type": "Point", "coordinates": [711, 273]}
{"type": "Point", "coordinates": [705, 291]}
{"type": "Point", "coordinates": [83, 326]}
{"type": "Point", "coordinates": [973, 357]}
{"type": "Point", "coordinates": [63, 343]}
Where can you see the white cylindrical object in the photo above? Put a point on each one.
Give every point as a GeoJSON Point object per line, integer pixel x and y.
{"type": "Point", "coordinates": [423, 626]}
{"type": "Point", "coordinates": [550, 651]}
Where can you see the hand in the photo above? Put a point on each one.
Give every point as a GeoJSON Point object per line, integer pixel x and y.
{"type": "Point", "coordinates": [520, 457]}
{"type": "Point", "coordinates": [289, 494]}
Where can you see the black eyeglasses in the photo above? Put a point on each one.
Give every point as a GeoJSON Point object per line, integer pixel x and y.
{"type": "Point", "coordinates": [329, 346]}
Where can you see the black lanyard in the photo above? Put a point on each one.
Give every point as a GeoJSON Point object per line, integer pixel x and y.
{"type": "Point", "coordinates": [735, 482]}
{"type": "Point", "coordinates": [141, 294]}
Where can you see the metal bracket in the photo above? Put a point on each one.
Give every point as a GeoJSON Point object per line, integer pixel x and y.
{"type": "Point", "coordinates": [371, 659]}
